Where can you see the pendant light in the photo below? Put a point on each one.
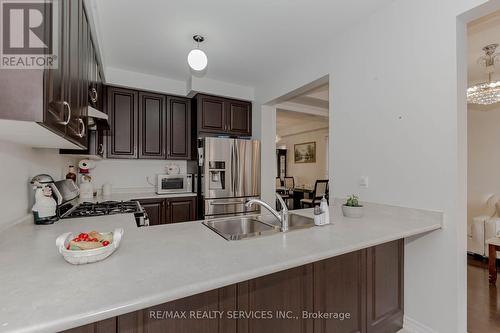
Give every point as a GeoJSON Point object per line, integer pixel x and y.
{"type": "Point", "coordinates": [197, 59]}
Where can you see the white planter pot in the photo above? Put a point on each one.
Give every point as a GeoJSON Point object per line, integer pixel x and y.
{"type": "Point", "coordinates": [354, 212]}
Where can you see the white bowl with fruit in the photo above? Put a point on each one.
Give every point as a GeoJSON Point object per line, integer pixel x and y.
{"type": "Point", "coordinates": [85, 248]}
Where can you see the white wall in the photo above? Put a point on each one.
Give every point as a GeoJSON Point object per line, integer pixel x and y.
{"type": "Point", "coordinates": [306, 173]}
{"type": "Point", "coordinates": [393, 117]}
{"type": "Point", "coordinates": [483, 173]}
{"type": "Point", "coordinates": [130, 175]}
{"type": "Point", "coordinates": [19, 165]}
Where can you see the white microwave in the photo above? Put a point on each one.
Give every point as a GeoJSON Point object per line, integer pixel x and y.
{"type": "Point", "coordinates": [174, 184]}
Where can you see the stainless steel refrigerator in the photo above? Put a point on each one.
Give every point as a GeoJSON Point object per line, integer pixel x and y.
{"type": "Point", "coordinates": [230, 175]}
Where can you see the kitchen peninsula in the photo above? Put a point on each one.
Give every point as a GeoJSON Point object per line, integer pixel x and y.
{"type": "Point", "coordinates": [338, 268]}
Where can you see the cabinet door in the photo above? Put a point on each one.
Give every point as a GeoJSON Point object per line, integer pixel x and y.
{"type": "Point", "coordinates": [122, 112]}
{"type": "Point", "coordinates": [155, 209]}
{"type": "Point", "coordinates": [286, 294]}
{"type": "Point", "coordinates": [76, 126]}
{"type": "Point", "coordinates": [211, 114]}
{"type": "Point", "coordinates": [340, 286]}
{"type": "Point", "coordinates": [178, 128]}
{"type": "Point", "coordinates": [152, 114]}
{"type": "Point", "coordinates": [56, 111]}
{"type": "Point", "coordinates": [181, 209]}
{"type": "Point", "coordinates": [385, 287]}
{"type": "Point", "coordinates": [239, 117]}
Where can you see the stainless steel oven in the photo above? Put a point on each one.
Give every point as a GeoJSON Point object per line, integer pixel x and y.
{"type": "Point", "coordinates": [174, 184]}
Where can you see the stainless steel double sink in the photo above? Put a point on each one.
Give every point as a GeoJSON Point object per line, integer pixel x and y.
{"type": "Point", "coordinates": [236, 228]}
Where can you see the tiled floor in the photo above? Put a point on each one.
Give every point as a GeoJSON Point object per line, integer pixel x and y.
{"type": "Point", "coordinates": [483, 301]}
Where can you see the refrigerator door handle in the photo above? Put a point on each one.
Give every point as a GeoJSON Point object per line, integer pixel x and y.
{"type": "Point", "coordinates": [232, 169]}
{"type": "Point", "coordinates": [237, 169]}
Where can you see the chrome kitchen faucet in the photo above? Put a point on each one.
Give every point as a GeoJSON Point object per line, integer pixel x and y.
{"type": "Point", "coordinates": [281, 216]}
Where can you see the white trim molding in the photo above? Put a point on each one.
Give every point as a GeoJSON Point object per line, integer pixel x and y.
{"type": "Point", "coordinates": [410, 325]}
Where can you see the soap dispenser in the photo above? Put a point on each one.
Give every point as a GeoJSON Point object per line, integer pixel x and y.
{"type": "Point", "coordinates": [325, 210]}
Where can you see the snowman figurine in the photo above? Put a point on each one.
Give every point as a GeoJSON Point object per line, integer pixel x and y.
{"type": "Point", "coordinates": [85, 179]}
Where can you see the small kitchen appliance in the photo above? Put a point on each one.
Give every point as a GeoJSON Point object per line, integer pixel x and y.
{"type": "Point", "coordinates": [174, 184]}
{"type": "Point", "coordinates": [47, 198]}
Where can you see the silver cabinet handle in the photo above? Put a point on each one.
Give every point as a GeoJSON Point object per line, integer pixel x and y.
{"type": "Point", "coordinates": [66, 107]}
{"type": "Point", "coordinates": [93, 95]}
{"type": "Point", "coordinates": [100, 149]}
{"type": "Point", "coordinates": [81, 134]}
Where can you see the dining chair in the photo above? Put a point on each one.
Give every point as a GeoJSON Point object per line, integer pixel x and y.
{"type": "Point", "coordinates": [278, 182]}
{"type": "Point", "coordinates": [289, 183]}
{"type": "Point", "coordinates": [320, 191]}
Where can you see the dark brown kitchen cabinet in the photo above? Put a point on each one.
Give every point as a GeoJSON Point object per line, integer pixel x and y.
{"type": "Point", "coordinates": [152, 130]}
{"type": "Point", "coordinates": [180, 209]}
{"type": "Point", "coordinates": [76, 77]}
{"type": "Point", "coordinates": [211, 114]}
{"type": "Point", "coordinates": [340, 286]}
{"type": "Point", "coordinates": [239, 117]}
{"type": "Point", "coordinates": [285, 294]}
{"type": "Point", "coordinates": [56, 108]}
{"type": "Point", "coordinates": [56, 98]}
{"type": "Point", "coordinates": [169, 210]}
{"type": "Point", "coordinates": [223, 116]}
{"type": "Point", "coordinates": [362, 291]}
{"type": "Point", "coordinates": [147, 125]}
{"type": "Point", "coordinates": [155, 209]}
{"type": "Point", "coordinates": [178, 128]}
{"type": "Point", "coordinates": [385, 287]}
{"type": "Point", "coordinates": [122, 112]}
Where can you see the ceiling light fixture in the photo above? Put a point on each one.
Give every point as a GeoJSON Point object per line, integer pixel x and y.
{"type": "Point", "coordinates": [197, 59]}
{"type": "Point", "coordinates": [489, 92]}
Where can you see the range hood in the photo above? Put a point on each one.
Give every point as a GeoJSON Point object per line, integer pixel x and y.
{"type": "Point", "coordinates": [100, 118]}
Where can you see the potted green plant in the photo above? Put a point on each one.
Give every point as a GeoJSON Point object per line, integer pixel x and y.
{"type": "Point", "coordinates": [352, 208]}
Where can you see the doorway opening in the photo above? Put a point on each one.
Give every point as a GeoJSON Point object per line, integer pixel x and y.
{"type": "Point", "coordinates": [483, 175]}
{"type": "Point", "coordinates": [302, 141]}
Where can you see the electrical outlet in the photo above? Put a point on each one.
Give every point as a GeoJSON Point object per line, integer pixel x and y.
{"type": "Point", "coordinates": [363, 182]}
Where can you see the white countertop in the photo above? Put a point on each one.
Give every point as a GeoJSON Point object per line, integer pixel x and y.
{"type": "Point", "coordinates": [126, 196]}
{"type": "Point", "coordinates": [40, 292]}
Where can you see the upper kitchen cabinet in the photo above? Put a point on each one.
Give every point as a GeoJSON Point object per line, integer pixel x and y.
{"type": "Point", "coordinates": [152, 114]}
{"type": "Point", "coordinates": [211, 114]}
{"type": "Point", "coordinates": [146, 125]}
{"type": "Point", "coordinates": [55, 98]}
{"type": "Point", "coordinates": [224, 116]}
{"type": "Point", "coordinates": [179, 128]}
{"type": "Point", "coordinates": [239, 117]}
{"type": "Point", "coordinates": [122, 111]}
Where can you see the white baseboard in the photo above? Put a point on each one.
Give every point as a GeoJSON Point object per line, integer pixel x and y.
{"type": "Point", "coordinates": [412, 326]}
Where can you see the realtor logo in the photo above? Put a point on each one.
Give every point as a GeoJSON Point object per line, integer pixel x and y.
{"type": "Point", "coordinates": [27, 34]}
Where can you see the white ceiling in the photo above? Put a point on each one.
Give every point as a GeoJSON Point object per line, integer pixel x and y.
{"type": "Point", "coordinates": [302, 116]}
{"type": "Point", "coordinates": [247, 42]}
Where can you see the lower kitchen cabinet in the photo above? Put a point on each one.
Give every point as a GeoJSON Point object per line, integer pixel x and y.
{"type": "Point", "coordinates": [171, 210]}
{"type": "Point", "coordinates": [385, 287]}
{"type": "Point", "coordinates": [155, 209]}
{"type": "Point", "coordinates": [365, 287]}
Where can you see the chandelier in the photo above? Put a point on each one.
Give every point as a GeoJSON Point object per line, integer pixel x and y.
{"type": "Point", "coordinates": [486, 93]}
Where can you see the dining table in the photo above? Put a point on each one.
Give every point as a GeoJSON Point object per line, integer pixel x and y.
{"type": "Point", "coordinates": [297, 193]}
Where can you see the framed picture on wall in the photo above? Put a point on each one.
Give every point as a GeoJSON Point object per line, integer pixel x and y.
{"type": "Point", "coordinates": [305, 152]}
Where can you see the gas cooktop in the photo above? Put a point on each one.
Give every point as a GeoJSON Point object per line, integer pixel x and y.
{"type": "Point", "coordinates": [88, 209]}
